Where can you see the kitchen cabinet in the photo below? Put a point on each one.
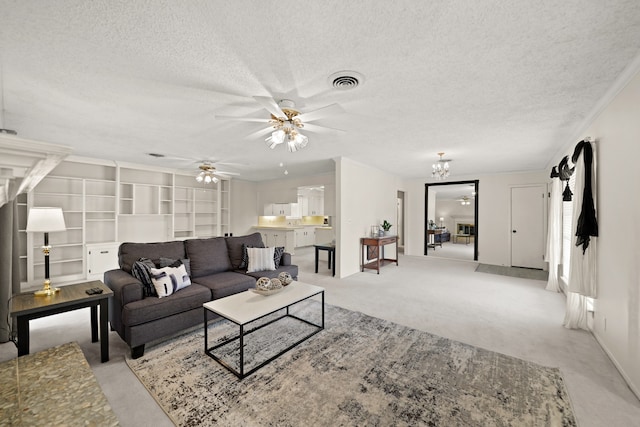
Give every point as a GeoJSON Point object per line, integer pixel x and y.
{"type": "Point", "coordinates": [316, 206]}
{"type": "Point", "coordinates": [101, 257]}
{"type": "Point", "coordinates": [305, 236]}
{"type": "Point", "coordinates": [311, 202]}
{"type": "Point", "coordinates": [273, 238]}
{"type": "Point", "coordinates": [277, 209]}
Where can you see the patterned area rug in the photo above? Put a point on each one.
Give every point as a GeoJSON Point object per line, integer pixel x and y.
{"type": "Point", "coordinates": [359, 371]}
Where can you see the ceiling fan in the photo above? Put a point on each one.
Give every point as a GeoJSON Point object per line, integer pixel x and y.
{"type": "Point", "coordinates": [464, 200]}
{"type": "Point", "coordinates": [208, 173]}
{"type": "Point", "coordinates": [286, 121]}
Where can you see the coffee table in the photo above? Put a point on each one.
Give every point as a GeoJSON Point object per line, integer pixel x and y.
{"type": "Point", "coordinates": [247, 307]}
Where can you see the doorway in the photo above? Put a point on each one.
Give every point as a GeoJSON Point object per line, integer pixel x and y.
{"type": "Point", "coordinates": [451, 220]}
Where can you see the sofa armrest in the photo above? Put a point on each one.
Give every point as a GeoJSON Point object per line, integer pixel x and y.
{"type": "Point", "coordinates": [286, 259]}
{"type": "Point", "coordinates": [126, 289]}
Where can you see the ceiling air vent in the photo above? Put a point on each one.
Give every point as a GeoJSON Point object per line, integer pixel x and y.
{"type": "Point", "coordinates": [346, 80]}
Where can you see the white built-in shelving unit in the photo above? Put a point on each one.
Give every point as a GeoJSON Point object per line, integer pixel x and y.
{"type": "Point", "coordinates": [105, 204]}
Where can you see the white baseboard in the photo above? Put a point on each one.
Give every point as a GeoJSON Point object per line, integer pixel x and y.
{"type": "Point", "coordinates": [626, 378]}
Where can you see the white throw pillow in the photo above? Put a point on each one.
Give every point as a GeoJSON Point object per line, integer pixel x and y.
{"type": "Point", "coordinates": [260, 259]}
{"type": "Point", "coordinates": [168, 280]}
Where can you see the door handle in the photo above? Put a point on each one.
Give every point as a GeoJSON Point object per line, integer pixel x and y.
{"type": "Point", "coordinates": [513, 231]}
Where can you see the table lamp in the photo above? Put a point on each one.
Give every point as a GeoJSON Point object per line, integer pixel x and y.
{"type": "Point", "coordinates": [441, 219]}
{"type": "Point", "coordinates": [46, 220]}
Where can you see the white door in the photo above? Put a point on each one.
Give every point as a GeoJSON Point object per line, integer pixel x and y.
{"type": "Point", "coordinates": [527, 226]}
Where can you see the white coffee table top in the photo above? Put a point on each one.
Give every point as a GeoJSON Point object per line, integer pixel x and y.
{"type": "Point", "coordinates": [248, 306]}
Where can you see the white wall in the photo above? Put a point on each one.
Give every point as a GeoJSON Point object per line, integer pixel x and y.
{"type": "Point", "coordinates": [617, 134]}
{"type": "Point", "coordinates": [366, 196]}
{"type": "Point", "coordinates": [243, 207]}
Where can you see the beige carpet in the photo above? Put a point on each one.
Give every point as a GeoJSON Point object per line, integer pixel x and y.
{"type": "Point", "coordinates": [360, 370]}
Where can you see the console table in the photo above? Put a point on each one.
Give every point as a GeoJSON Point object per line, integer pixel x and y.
{"type": "Point", "coordinates": [431, 238]}
{"type": "Point", "coordinates": [27, 306]}
{"type": "Point", "coordinates": [375, 249]}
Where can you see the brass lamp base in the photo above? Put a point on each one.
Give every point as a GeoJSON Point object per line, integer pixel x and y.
{"type": "Point", "coordinates": [46, 290]}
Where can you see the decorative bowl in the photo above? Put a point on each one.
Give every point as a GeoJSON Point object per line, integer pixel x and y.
{"type": "Point", "coordinates": [267, 286]}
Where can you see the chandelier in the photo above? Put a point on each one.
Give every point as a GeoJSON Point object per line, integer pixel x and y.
{"type": "Point", "coordinates": [440, 169]}
{"type": "Point", "coordinates": [287, 129]}
{"type": "Point", "coordinates": [207, 174]}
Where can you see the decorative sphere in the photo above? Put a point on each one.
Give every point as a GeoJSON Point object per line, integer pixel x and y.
{"type": "Point", "coordinates": [263, 283]}
{"type": "Point", "coordinates": [275, 283]}
{"type": "Point", "coordinates": [285, 278]}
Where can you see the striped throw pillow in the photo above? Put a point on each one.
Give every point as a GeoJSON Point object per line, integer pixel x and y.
{"type": "Point", "coordinates": [260, 259]}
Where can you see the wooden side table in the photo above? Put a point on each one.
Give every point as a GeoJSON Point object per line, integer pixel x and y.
{"type": "Point", "coordinates": [27, 306]}
{"type": "Point", "coordinates": [375, 249]}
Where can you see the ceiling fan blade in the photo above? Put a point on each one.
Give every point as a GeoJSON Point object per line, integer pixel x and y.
{"type": "Point", "coordinates": [329, 110]}
{"type": "Point", "coordinates": [320, 129]}
{"type": "Point", "coordinates": [241, 119]}
{"type": "Point", "coordinates": [260, 133]}
{"type": "Point", "coordinates": [270, 105]}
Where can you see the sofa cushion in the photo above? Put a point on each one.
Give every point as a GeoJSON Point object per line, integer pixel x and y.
{"type": "Point", "coordinates": [208, 256]}
{"type": "Point", "coordinates": [150, 309]}
{"type": "Point", "coordinates": [129, 253]}
{"type": "Point", "coordinates": [141, 270]}
{"type": "Point", "coordinates": [277, 255]}
{"type": "Point", "coordinates": [227, 283]}
{"type": "Point", "coordinates": [234, 245]}
{"type": "Point", "coordinates": [260, 259]}
{"type": "Point", "coordinates": [169, 280]}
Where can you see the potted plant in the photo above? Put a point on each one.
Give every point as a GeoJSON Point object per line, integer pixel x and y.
{"type": "Point", "coordinates": [386, 226]}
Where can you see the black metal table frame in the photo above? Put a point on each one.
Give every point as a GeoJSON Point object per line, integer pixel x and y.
{"type": "Point", "coordinates": [242, 374]}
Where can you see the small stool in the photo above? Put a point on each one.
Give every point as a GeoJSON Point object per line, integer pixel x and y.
{"type": "Point", "coordinates": [331, 258]}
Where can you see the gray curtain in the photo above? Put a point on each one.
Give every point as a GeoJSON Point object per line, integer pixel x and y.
{"type": "Point", "coordinates": [9, 266]}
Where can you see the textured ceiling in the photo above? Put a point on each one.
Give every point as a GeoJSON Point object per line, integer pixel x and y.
{"type": "Point", "coordinates": [496, 85]}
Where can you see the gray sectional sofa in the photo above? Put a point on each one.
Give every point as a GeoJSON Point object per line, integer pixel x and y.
{"type": "Point", "coordinates": [214, 272]}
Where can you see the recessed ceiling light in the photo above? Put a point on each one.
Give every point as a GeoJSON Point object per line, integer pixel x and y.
{"type": "Point", "coordinates": [345, 80]}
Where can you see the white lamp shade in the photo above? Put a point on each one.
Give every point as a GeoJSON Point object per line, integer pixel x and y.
{"type": "Point", "coordinates": [45, 220]}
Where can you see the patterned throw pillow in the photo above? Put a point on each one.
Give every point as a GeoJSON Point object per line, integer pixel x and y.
{"type": "Point", "coordinates": [141, 270]}
{"type": "Point", "coordinates": [170, 262]}
{"type": "Point", "coordinates": [277, 255]}
{"type": "Point", "coordinates": [168, 280]}
{"type": "Point", "coordinates": [260, 259]}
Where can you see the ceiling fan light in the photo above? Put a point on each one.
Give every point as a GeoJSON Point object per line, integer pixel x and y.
{"type": "Point", "coordinates": [278, 136]}
{"type": "Point", "coordinates": [207, 179]}
{"type": "Point", "coordinates": [214, 179]}
{"type": "Point", "coordinates": [200, 177]}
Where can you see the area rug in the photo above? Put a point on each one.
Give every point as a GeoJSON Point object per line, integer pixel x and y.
{"type": "Point", "coordinates": [359, 371]}
{"type": "Point", "coordinates": [523, 273]}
